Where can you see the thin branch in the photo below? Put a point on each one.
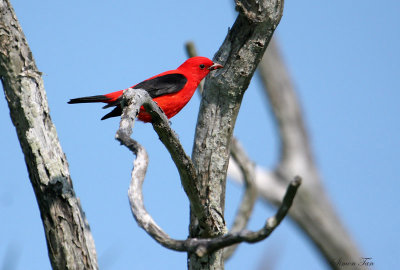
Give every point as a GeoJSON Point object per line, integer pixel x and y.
{"type": "Point", "coordinates": [250, 194]}
{"type": "Point", "coordinates": [133, 101]}
{"type": "Point", "coordinates": [69, 240]}
{"type": "Point", "coordinates": [213, 244]}
{"type": "Point", "coordinates": [269, 186]}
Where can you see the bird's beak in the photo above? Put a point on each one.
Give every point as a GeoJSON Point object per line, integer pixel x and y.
{"type": "Point", "coordinates": [215, 66]}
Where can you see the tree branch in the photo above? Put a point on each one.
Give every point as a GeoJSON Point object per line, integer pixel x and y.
{"type": "Point", "coordinates": [69, 240]}
{"type": "Point", "coordinates": [247, 168]}
{"type": "Point", "coordinates": [250, 194]}
{"type": "Point", "coordinates": [313, 211]}
{"type": "Point", "coordinates": [232, 238]}
{"type": "Point", "coordinates": [133, 100]}
{"type": "Point", "coordinates": [240, 54]}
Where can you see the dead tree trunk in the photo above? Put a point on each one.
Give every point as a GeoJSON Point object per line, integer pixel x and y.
{"type": "Point", "coordinates": [69, 240]}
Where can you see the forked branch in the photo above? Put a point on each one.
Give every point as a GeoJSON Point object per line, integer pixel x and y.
{"type": "Point", "coordinates": [133, 100]}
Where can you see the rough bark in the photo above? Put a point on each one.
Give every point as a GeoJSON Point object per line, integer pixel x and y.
{"type": "Point", "coordinates": [247, 172]}
{"type": "Point", "coordinates": [69, 240]}
{"type": "Point", "coordinates": [240, 54]}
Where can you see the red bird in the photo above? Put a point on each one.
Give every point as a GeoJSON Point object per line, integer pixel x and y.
{"type": "Point", "coordinates": [171, 90]}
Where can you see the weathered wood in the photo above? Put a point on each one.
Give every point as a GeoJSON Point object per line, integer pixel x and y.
{"type": "Point", "coordinates": [133, 99]}
{"type": "Point", "coordinates": [240, 54]}
{"type": "Point", "coordinates": [69, 240]}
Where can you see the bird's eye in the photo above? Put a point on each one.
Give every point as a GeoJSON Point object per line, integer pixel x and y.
{"type": "Point", "coordinates": [202, 66]}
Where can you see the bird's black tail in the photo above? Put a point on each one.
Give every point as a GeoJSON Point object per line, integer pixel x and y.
{"type": "Point", "coordinates": [100, 98]}
{"type": "Point", "coordinates": [114, 113]}
{"type": "Point", "coordinates": [91, 99]}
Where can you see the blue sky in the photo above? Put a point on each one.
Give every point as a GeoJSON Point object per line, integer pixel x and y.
{"type": "Point", "coordinates": [344, 60]}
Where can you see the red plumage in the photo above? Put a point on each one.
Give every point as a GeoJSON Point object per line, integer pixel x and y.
{"type": "Point", "coordinates": [172, 89]}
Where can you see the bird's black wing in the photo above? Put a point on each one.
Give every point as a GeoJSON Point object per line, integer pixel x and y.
{"type": "Point", "coordinates": [158, 86]}
{"type": "Point", "coordinates": [162, 85]}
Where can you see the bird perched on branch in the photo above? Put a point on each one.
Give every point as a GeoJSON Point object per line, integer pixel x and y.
{"type": "Point", "coordinates": [171, 90]}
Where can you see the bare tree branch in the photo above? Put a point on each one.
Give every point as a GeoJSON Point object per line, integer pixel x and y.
{"type": "Point", "coordinates": [133, 100]}
{"type": "Point", "coordinates": [250, 194]}
{"type": "Point", "coordinates": [69, 240]}
{"type": "Point", "coordinates": [268, 185]}
{"type": "Point", "coordinates": [295, 151]}
{"type": "Point", "coordinates": [313, 211]}
{"type": "Point", "coordinates": [240, 54]}
{"type": "Point", "coordinates": [213, 244]}
{"type": "Point", "coordinates": [247, 168]}
{"type": "Point", "coordinates": [200, 246]}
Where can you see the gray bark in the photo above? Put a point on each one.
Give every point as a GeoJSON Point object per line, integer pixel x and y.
{"type": "Point", "coordinates": [69, 240]}
{"type": "Point", "coordinates": [240, 54]}
{"type": "Point", "coordinates": [247, 172]}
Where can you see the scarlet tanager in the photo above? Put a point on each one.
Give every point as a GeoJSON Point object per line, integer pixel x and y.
{"type": "Point", "coordinates": [171, 90]}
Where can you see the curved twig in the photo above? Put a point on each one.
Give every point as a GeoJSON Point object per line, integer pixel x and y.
{"type": "Point", "coordinates": [133, 101]}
